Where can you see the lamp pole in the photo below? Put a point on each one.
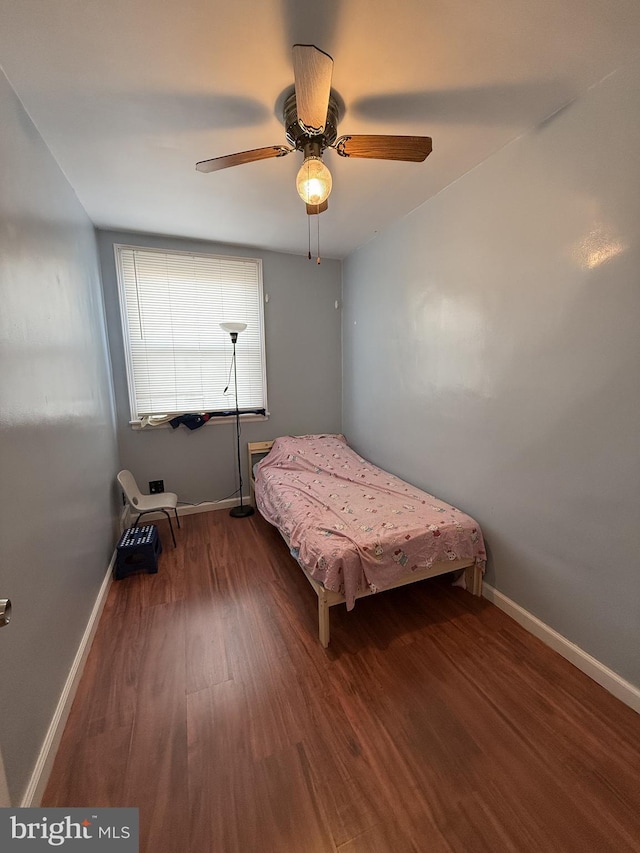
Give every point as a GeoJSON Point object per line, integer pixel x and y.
{"type": "Point", "coordinates": [242, 510]}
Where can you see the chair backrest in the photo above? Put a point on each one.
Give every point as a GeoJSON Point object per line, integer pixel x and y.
{"type": "Point", "coordinates": [129, 487]}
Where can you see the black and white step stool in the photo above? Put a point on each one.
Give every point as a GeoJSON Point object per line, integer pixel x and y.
{"type": "Point", "coordinates": [138, 549]}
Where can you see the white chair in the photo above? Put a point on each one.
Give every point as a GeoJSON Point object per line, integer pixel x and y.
{"type": "Point", "coordinates": [142, 504]}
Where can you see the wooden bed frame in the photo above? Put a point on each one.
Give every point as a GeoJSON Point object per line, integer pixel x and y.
{"type": "Point", "coordinates": [256, 451]}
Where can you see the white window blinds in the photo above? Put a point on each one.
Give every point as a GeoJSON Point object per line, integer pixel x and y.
{"type": "Point", "coordinates": [178, 357]}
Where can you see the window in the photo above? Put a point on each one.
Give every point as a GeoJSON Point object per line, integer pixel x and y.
{"type": "Point", "coordinates": [178, 358]}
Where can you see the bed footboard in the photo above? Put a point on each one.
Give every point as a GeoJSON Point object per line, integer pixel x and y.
{"type": "Point", "coordinates": [328, 599]}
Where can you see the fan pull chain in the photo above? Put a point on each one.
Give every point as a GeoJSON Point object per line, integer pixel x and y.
{"type": "Point", "coordinates": [318, 258]}
{"type": "Point", "coordinates": [309, 230]}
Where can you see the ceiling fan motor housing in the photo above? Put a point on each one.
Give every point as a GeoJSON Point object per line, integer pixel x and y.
{"type": "Point", "coordinates": [302, 140]}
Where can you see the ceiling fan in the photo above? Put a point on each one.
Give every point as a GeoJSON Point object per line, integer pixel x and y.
{"type": "Point", "coordinates": [311, 117]}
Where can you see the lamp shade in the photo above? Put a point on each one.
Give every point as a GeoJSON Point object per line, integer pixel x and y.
{"type": "Point", "coordinates": [233, 327]}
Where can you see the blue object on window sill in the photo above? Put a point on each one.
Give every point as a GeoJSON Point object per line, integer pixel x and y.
{"type": "Point", "coordinates": [196, 421]}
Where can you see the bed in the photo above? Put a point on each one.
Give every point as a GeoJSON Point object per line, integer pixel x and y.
{"type": "Point", "coordinates": [355, 529]}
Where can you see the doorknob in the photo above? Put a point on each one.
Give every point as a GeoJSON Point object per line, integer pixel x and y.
{"type": "Point", "coordinates": [5, 611]}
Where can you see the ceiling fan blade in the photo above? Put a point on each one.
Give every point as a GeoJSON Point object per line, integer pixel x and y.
{"type": "Point", "coordinates": [413, 149]}
{"type": "Point", "coordinates": [312, 72]}
{"type": "Point", "coordinates": [243, 157]}
{"type": "Point", "coordinates": [313, 209]}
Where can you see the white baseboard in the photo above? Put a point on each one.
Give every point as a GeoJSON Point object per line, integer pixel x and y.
{"type": "Point", "coordinates": [44, 764]}
{"type": "Point", "coordinates": [4, 788]}
{"type": "Point", "coordinates": [210, 506]}
{"type": "Point", "coordinates": [607, 678]}
{"type": "Point", "coordinates": [207, 506]}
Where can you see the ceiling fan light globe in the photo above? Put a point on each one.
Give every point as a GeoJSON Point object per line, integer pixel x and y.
{"type": "Point", "coordinates": [313, 181]}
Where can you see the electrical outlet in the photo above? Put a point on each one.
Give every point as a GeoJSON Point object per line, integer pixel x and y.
{"type": "Point", "coordinates": [156, 486]}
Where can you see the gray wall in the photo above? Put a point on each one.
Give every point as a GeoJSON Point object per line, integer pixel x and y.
{"type": "Point", "coordinates": [303, 352]}
{"type": "Point", "coordinates": [57, 435]}
{"type": "Point", "coordinates": [492, 355]}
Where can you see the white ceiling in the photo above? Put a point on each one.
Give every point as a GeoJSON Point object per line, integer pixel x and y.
{"type": "Point", "coordinates": [129, 94]}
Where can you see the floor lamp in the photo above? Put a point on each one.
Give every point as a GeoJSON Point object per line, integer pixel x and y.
{"type": "Point", "coordinates": [234, 329]}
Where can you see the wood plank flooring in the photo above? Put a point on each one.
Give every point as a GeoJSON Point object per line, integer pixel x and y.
{"type": "Point", "coordinates": [433, 722]}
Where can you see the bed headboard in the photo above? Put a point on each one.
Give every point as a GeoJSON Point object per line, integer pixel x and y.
{"type": "Point", "coordinates": [256, 450]}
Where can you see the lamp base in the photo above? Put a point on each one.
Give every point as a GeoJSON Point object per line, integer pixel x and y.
{"type": "Point", "coordinates": [241, 511]}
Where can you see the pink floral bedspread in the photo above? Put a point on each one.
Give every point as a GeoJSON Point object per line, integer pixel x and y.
{"type": "Point", "coordinates": [353, 526]}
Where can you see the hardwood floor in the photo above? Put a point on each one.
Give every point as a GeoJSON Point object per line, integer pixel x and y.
{"type": "Point", "coordinates": [433, 722]}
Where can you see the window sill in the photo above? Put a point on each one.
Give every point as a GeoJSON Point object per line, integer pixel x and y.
{"type": "Point", "coordinates": [138, 426]}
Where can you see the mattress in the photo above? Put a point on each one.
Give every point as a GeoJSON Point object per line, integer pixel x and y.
{"type": "Point", "coordinates": [353, 526]}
